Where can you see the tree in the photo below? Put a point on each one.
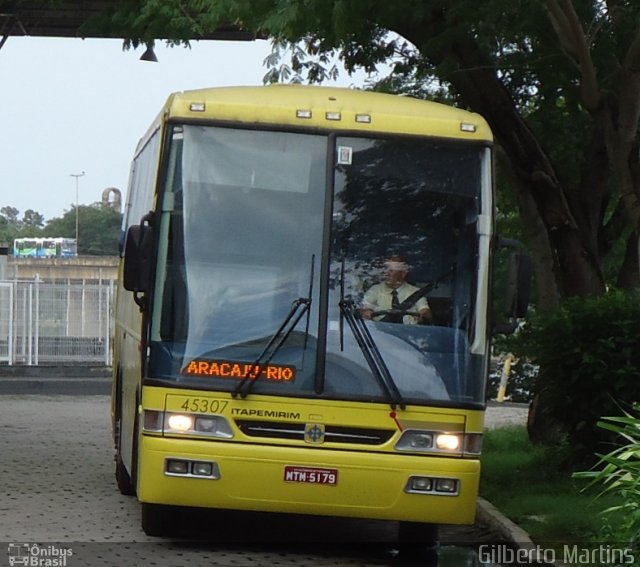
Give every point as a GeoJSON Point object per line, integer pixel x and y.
{"type": "Point", "coordinates": [10, 216]}
{"type": "Point", "coordinates": [32, 220]}
{"type": "Point", "coordinates": [8, 224]}
{"type": "Point", "coordinates": [98, 229]}
{"type": "Point", "coordinates": [557, 80]}
{"type": "Point", "coordinates": [11, 226]}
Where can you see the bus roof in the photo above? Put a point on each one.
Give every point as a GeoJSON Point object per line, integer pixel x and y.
{"type": "Point", "coordinates": [327, 108]}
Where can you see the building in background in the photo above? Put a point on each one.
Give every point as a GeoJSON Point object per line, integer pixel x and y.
{"type": "Point", "coordinates": [56, 311]}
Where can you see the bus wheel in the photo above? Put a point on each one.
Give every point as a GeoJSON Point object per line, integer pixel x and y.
{"type": "Point", "coordinates": [417, 538]}
{"type": "Point", "coordinates": [157, 520]}
{"type": "Point", "coordinates": [123, 479]}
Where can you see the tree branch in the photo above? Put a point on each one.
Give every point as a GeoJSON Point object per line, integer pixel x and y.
{"type": "Point", "coordinates": [629, 99]}
{"type": "Point", "coordinates": [632, 58]}
{"type": "Point", "coordinates": [566, 23]}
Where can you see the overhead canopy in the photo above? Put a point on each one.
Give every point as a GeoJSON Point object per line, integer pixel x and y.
{"type": "Point", "coordinates": [73, 19]}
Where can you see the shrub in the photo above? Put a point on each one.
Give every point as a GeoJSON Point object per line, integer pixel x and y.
{"type": "Point", "coordinates": [589, 356]}
{"type": "Point", "coordinates": [619, 471]}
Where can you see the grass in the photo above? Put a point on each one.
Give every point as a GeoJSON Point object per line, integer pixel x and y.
{"type": "Point", "coordinates": [528, 484]}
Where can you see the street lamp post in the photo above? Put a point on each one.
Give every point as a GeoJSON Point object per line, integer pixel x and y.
{"type": "Point", "coordinates": [77, 176]}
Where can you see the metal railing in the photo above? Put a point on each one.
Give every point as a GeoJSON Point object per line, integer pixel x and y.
{"type": "Point", "coordinates": [56, 323]}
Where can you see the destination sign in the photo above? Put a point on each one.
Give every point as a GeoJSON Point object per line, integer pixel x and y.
{"type": "Point", "coordinates": [240, 370]}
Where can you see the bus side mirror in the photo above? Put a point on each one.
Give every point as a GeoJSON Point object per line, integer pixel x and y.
{"type": "Point", "coordinates": [138, 254]}
{"type": "Point", "coordinates": [517, 290]}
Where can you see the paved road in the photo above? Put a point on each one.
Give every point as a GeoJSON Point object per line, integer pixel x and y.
{"type": "Point", "coordinates": [58, 490]}
{"type": "Point", "coordinates": [505, 414]}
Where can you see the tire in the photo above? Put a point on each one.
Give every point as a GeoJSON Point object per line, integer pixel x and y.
{"type": "Point", "coordinates": [158, 520]}
{"type": "Point", "coordinates": [134, 449]}
{"type": "Point", "coordinates": [123, 479]}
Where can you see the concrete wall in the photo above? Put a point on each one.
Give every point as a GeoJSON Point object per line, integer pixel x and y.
{"type": "Point", "coordinates": [98, 268]}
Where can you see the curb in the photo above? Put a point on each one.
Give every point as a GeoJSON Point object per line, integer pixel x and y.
{"type": "Point", "coordinates": [47, 372]}
{"type": "Point", "coordinates": [77, 386]}
{"type": "Point", "coordinates": [488, 515]}
{"type": "Point", "coordinates": [78, 380]}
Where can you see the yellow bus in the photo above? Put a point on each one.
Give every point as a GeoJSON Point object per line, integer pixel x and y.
{"type": "Point", "coordinates": [257, 365]}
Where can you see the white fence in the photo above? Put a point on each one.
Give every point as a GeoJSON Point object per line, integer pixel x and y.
{"type": "Point", "coordinates": [55, 323]}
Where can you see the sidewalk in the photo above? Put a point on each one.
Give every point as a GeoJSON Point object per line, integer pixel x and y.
{"type": "Point", "coordinates": [505, 414]}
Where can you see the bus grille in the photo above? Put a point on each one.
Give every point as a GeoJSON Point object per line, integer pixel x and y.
{"type": "Point", "coordinates": [332, 433]}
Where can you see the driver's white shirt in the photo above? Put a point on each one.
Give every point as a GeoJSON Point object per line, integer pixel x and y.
{"type": "Point", "coordinates": [379, 298]}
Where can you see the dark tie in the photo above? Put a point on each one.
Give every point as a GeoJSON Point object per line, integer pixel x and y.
{"type": "Point", "coordinates": [395, 303]}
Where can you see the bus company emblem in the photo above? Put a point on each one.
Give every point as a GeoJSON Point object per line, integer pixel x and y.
{"type": "Point", "coordinates": [314, 433]}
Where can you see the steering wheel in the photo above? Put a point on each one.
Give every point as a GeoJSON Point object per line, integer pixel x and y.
{"type": "Point", "coordinates": [402, 312]}
{"type": "Point", "coordinates": [397, 315]}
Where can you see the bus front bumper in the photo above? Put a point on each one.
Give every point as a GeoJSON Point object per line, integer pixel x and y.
{"type": "Point", "coordinates": [309, 481]}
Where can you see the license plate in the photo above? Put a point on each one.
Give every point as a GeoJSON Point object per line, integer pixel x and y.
{"type": "Point", "coordinates": [311, 475]}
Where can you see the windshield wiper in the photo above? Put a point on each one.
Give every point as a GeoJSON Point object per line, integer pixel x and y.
{"type": "Point", "coordinates": [367, 345]}
{"type": "Point", "coordinates": [299, 307]}
{"type": "Point", "coordinates": [371, 353]}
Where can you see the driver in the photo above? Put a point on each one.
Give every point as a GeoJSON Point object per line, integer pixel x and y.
{"type": "Point", "coordinates": [382, 299]}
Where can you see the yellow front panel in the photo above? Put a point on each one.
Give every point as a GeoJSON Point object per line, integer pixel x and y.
{"type": "Point", "coordinates": [371, 480]}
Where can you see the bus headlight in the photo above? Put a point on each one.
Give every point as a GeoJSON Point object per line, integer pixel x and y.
{"type": "Point", "coordinates": [179, 422]}
{"type": "Point", "coordinates": [439, 442]}
{"type": "Point", "coordinates": [420, 440]}
{"type": "Point", "coordinates": [448, 442]}
{"type": "Point", "coordinates": [206, 424]}
{"type": "Point", "coordinates": [201, 425]}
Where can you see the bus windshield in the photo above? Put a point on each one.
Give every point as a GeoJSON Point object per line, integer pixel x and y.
{"type": "Point", "coordinates": [267, 267]}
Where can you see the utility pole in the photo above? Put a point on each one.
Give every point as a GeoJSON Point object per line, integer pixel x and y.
{"type": "Point", "coordinates": [77, 176]}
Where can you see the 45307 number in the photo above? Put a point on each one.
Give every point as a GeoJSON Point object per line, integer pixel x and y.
{"type": "Point", "coordinates": [204, 405]}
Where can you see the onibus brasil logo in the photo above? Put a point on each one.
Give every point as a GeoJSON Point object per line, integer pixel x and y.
{"type": "Point", "coordinates": [38, 555]}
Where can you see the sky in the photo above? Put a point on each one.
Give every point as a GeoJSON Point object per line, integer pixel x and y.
{"type": "Point", "coordinates": [69, 106]}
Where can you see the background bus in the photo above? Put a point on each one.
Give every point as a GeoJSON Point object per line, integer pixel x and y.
{"type": "Point", "coordinates": [245, 374]}
{"type": "Point", "coordinates": [44, 247]}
